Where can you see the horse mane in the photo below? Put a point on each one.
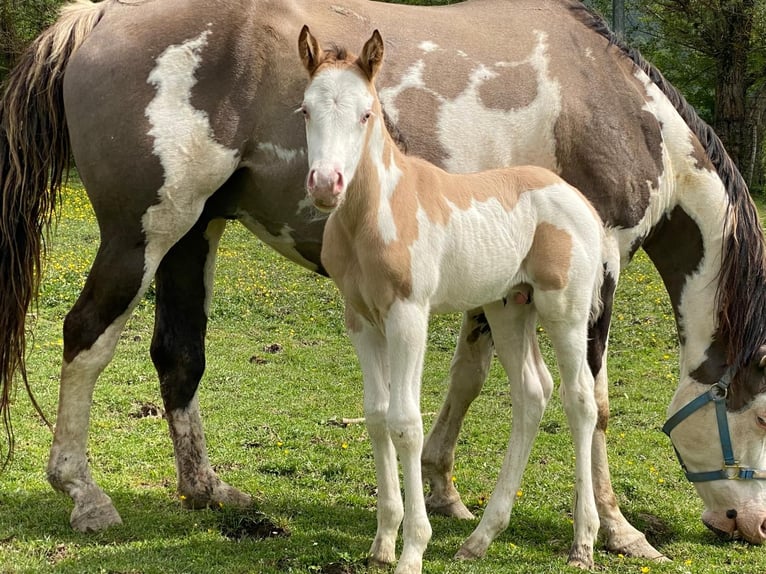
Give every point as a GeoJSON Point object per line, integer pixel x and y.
{"type": "Point", "coordinates": [741, 293]}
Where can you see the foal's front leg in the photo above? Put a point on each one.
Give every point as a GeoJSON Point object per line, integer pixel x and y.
{"type": "Point", "coordinates": [406, 326]}
{"type": "Point", "coordinates": [370, 345]}
{"type": "Point", "coordinates": [577, 394]}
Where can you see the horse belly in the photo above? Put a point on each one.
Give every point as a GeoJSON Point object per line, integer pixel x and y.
{"type": "Point", "coordinates": [479, 260]}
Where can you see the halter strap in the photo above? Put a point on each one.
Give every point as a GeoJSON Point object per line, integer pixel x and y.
{"type": "Point", "coordinates": [731, 469]}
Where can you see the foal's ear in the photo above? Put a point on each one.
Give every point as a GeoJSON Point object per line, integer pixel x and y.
{"type": "Point", "coordinates": [372, 55]}
{"type": "Point", "coordinates": [310, 52]}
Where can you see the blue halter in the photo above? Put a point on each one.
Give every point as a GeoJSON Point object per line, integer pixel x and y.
{"type": "Point", "coordinates": [731, 468]}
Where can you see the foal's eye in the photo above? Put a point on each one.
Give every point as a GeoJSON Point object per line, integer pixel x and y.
{"type": "Point", "coordinates": [365, 117]}
{"type": "Point", "coordinates": [304, 111]}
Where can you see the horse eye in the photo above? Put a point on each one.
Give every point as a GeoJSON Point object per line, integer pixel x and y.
{"type": "Point", "coordinates": [366, 116]}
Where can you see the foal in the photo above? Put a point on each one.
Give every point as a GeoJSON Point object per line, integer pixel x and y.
{"type": "Point", "coordinates": [405, 239]}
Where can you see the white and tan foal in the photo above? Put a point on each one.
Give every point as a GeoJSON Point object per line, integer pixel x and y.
{"type": "Point", "coordinates": [406, 239]}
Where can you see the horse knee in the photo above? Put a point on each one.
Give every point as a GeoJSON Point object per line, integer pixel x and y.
{"type": "Point", "coordinates": [180, 370]}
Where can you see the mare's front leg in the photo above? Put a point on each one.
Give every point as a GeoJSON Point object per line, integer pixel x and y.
{"type": "Point", "coordinates": [372, 351]}
{"type": "Point", "coordinates": [468, 372]}
{"type": "Point", "coordinates": [619, 535]}
{"type": "Point", "coordinates": [513, 327]}
{"type": "Point", "coordinates": [406, 326]}
{"type": "Point", "coordinates": [184, 285]}
{"type": "Point", "coordinates": [118, 278]}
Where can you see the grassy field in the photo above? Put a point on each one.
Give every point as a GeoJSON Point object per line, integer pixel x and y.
{"type": "Point", "coordinates": [280, 375]}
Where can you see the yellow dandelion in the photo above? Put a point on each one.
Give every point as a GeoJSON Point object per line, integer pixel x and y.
{"type": "Point", "coordinates": [645, 569]}
{"type": "Point", "coordinates": [344, 445]}
{"type": "Point", "coordinates": [182, 497]}
{"type": "Point", "coordinates": [688, 562]}
{"type": "Point", "coordinates": [519, 493]}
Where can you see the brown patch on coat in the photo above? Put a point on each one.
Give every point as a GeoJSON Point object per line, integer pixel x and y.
{"type": "Point", "coordinates": [420, 107]}
{"type": "Point", "coordinates": [611, 119]}
{"type": "Point", "coordinates": [550, 257]}
{"type": "Point", "coordinates": [452, 70]}
{"type": "Point", "coordinates": [494, 92]}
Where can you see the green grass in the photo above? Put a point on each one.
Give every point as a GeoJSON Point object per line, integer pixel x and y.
{"type": "Point", "coordinates": [269, 421]}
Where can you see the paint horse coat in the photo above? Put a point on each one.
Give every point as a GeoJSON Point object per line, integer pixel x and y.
{"type": "Point", "coordinates": [179, 115]}
{"type": "Point", "coordinates": [405, 239]}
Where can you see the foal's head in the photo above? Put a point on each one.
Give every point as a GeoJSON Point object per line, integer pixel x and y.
{"type": "Point", "coordinates": [337, 104]}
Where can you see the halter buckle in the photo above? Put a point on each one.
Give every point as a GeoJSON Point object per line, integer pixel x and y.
{"type": "Point", "coordinates": [732, 471]}
{"type": "Point", "coordinates": [718, 391]}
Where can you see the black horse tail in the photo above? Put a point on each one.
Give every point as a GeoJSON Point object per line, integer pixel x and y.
{"type": "Point", "coordinates": [34, 160]}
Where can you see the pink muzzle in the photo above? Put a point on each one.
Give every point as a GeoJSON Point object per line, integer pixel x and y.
{"type": "Point", "coordinates": [325, 186]}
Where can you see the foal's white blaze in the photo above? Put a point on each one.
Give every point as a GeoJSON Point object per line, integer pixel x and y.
{"type": "Point", "coordinates": [343, 104]}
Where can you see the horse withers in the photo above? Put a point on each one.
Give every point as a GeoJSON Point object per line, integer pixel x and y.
{"type": "Point", "coordinates": [405, 239]}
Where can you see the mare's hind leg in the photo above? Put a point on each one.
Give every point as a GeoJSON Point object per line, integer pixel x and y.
{"type": "Point", "coordinates": [513, 327]}
{"type": "Point", "coordinates": [468, 372]}
{"type": "Point", "coordinates": [184, 283]}
{"type": "Point", "coordinates": [91, 330]}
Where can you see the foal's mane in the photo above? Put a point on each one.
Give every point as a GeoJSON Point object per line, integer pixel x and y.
{"type": "Point", "coordinates": [741, 294]}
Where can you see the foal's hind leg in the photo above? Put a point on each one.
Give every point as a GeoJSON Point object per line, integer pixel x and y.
{"type": "Point", "coordinates": [569, 340]}
{"type": "Point", "coordinates": [184, 283]}
{"type": "Point", "coordinates": [468, 372]}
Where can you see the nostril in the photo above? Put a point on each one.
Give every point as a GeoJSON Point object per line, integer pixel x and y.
{"type": "Point", "coordinates": [762, 533]}
{"type": "Point", "coordinates": [731, 513]}
{"type": "Point", "coordinates": [338, 187]}
{"type": "Point", "coordinates": [312, 183]}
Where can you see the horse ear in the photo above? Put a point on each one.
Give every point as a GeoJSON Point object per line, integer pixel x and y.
{"type": "Point", "coordinates": [372, 55]}
{"type": "Point", "coordinates": [310, 52]}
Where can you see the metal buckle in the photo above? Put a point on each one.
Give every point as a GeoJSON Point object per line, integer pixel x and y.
{"type": "Point", "coordinates": [718, 392]}
{"type": "Point", "coordinates": [732, 471]}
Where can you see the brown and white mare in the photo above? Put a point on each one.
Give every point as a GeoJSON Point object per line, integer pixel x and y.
{"type": "Point", "coordinates": [406, 239]}
{"type": "Point", "coordinates": [178, 114]}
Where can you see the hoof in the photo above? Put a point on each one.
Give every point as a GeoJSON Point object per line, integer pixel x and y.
{"type": "Point", "coordinates": [640, 548]}
{"type": "Point", "coordinates": [95, 517]}
{"type": "Point", "coordinates": [375, 565]}
{"type": "Point", "coordinates": [454, 509]}
{"type": "Point", "coordinates": [221, 496]}
{"type": "Point", "coordinates": [465, 553]}
{"type": "Point", "coordinates": [581, 557]}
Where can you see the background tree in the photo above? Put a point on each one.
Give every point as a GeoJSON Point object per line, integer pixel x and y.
{"type": "Point", "coordinates": [714, 51]}
{"type": "Point", "coordinates": [20, 22]}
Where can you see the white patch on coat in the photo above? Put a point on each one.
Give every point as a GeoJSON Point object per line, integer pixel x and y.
{"type": "Point", "coordinates": [389, 179]}
{"type": "Point", "coordinates": [276, 151]}
{"type": "Point", "coordinates": [283, 242]}
{"type": "Point", "coordinates": [195, 165]}
{"type": "Point", "coordinates": [428, 46]}
{"type": "Point", "coordinates": [702, 196]}
{"type": "Point", "coordinates": [479, 138]}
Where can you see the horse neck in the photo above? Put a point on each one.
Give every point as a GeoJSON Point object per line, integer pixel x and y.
{"type": "Point", "coordinates": [704, 250]}
{"type": "Point", "coordinates": [381, 171]}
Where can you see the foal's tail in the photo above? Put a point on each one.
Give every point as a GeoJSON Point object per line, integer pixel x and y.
{"type": "Point", "coordinates": [34, 159]}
